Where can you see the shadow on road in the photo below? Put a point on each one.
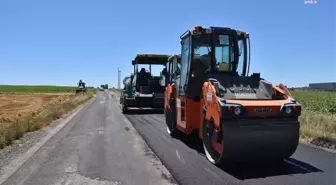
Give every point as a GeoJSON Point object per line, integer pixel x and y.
{"type": "Point", "coordinates": [144, 111]}
{"type": "Point", "coordinates": [261, 170]}
{"type": "Point", "coordinates": [244, 171]}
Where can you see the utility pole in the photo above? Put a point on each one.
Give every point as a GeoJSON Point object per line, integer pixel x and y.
{"type": "Point", "coordinates": [119, 78]}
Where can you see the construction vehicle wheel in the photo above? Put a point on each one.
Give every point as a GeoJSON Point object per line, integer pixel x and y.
{"type": "Point", "coordinates": [170, 116]}
{"type": "Point", "coordinates": [213, 150]}
{"type": "Point", "coordinates": [124, 109]}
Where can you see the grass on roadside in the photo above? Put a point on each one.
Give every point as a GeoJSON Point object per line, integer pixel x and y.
{"type": "Point", "coordinates": [119, 90]}
{"type": "Point", "coordinates": [316, 126]}
{"type": "Point", "coordinates": [13, 131]}
{"type": "Point", "coordinates": [317, 101]}
{"type": "Point", "coordinates": [318, 117]}
{"type": "Point", "coordinates": [37, 89]}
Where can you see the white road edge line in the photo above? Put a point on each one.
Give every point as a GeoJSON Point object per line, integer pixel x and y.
{"type": "Point", "coordinates": [179, 157]}
{"type": "Point", "coordinates": [297, 165]}
{"type": "Point", "coordinates": [12, 167]}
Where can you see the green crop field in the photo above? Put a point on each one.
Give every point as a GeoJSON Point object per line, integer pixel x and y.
{"type": "Point", "coordinates": [36, 89]}
{"type": "Point", "coordinates": [318, 117]}
{"type": "Point", "coordinates": [317, 101]}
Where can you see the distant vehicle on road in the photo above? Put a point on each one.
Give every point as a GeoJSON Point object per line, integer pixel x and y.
{"type": "Point", "coordinates": [104, 86]}
{"type": "Point", "coordinates": [81, 87]}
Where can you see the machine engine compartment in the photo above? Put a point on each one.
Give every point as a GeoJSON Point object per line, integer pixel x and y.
{"type": "Point", "coordinates": [240, 87]}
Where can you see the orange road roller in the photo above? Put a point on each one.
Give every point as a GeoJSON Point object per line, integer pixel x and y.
{"type": "Point", "coordinates": [240, 117]}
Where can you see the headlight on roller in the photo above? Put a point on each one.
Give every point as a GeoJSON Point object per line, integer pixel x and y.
{"type": "Point", "coordinates": [291, 110]}
{"type": "Point", "coordinates": [237, 110]}
{"type": "Point", "coordinates": [232, 111]}
{"type": "Point", "coordinates": [288, 110]}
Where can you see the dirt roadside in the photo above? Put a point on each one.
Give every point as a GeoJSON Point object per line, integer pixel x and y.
{"type": "Point", "coordinates": [46, 110]}
{"type": "Point", "coordinates": [15, 106]}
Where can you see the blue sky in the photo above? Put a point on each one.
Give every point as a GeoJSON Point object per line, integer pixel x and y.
{"type": "Point", "coordinates": [61, 41]}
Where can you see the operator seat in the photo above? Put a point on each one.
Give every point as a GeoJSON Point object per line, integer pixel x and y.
{"type": "Point", "coordinates": [201, 64]}
{"type": "Point", "coordinates": [142, 77]}
{"type": "Point", "coordinates": [142, 72]}
{"type": "Point", "coordinates": [223, 67]}
{"type": "Point", "coordinates": [143, 83]}
{"type": "Point", "coordinates": [164, 71]}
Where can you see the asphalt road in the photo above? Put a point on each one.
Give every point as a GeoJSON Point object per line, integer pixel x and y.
{"type": "Point", "coordinates": [98, 146]}
{"type": "Point", "coordinates": [101, 146]}
{"type": "Point", "coordinates": [185, 159]}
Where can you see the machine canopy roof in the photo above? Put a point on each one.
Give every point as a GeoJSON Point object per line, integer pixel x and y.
{"type": "Point", "coordinates": [155, 59]}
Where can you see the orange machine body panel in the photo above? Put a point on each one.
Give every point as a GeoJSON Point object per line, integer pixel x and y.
{"type": "Point", "coordinates": [213, 107]}
{"type": "Point", "coordinates": [249, 105]}
{"type": "Point", "coordinates": [188, 114]}
{"type": "Point", "coordinates": [169, 94]}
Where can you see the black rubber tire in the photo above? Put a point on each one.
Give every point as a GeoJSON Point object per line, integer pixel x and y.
{"type": "Point", "coordinates": [121, 100]}
{"type": "Point", "coordinates": [211, 154]}
{"type": "Point", "coordinates": [170, 116]}
{"type": "Point", "coordinates": [124, 109]}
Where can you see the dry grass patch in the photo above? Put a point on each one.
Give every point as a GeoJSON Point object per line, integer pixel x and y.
{"type": "Point", "coordinates": [118, 90]}
{"type": "Point", "coordinates": [318, 128]}
{"type": "Point", "coordinates": [315, 125]}
{"type": "Point", "coordinates": [15, 127]}
{"type": "Point", "coordinates": [318, 118]}
{"type": "Point", "coordinates": [15, 106]}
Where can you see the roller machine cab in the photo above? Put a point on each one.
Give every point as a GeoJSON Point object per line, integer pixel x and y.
{"type": "Point", "coordinates": [173, 68]}
{"type": "Point", "coordinates": [239, 117]}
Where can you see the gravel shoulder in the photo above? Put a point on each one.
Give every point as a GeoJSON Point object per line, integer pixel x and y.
{"type": "Point", "coordinates": [22, 145]}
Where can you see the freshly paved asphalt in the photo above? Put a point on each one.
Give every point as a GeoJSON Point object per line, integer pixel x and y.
{"type": "Point", "coordinates": [98, 146]}
{"type": "Point", "coordinates": [185, 159]}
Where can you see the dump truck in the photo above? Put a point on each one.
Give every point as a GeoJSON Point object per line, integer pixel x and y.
{"type": "Point", "coordinates": [104, 86]}
{"type": "Point", "coordinates": [81, 87]}
{"type": "Point", "coordinates": [238, 117]}
{"type": "Point", "coordinates": [143, 89]}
